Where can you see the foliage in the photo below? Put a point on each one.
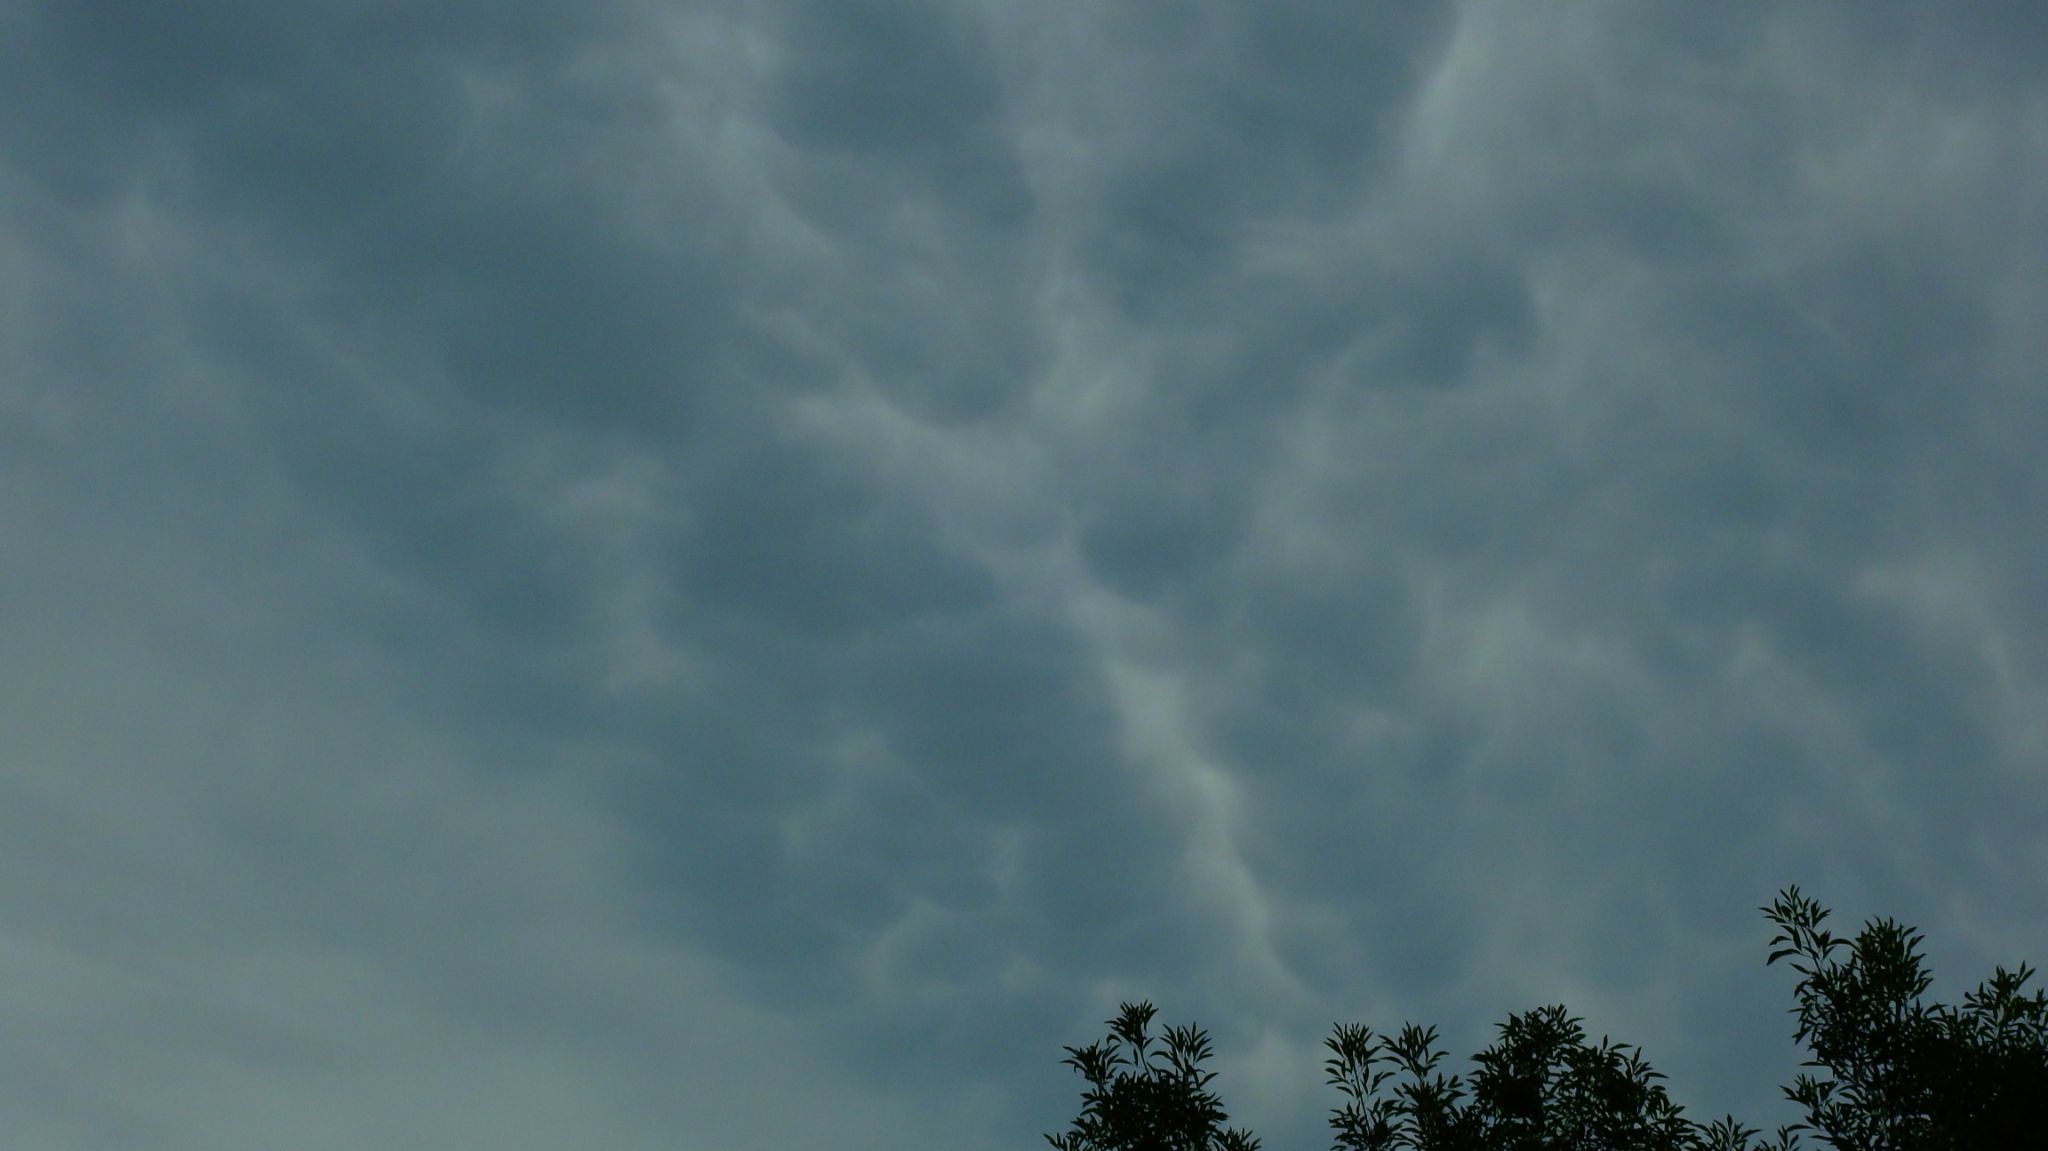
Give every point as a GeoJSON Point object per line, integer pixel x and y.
{"type": "Point", "coordinates": [1540, 1087]}
{"type": "Point", "coordinates": [1142, 1098]}
{"type": "Point", "coordinates": [1903, 1075]}
{"type": "Point", "coordinates": [1900, 1074]}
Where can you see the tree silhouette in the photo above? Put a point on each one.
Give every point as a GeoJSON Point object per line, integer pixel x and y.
{"type": "Point", "coordinates": [1899, 1074]}
{"type": "Point", "coordinates": [1541, 1087]}
{"type": "Point", "coordinates": [1903, 1075]}
{"type": "Point", "coordinates": [1142, 1098]}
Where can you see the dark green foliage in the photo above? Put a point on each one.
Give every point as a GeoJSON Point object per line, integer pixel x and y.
{"type": "Point", "coordinates": [1900, 1074]}
{"type": "Point", "coordinates": [1421, 1110]}
{"type": "Point", "coordinates": [1540, 1087]}
{"type": "Point", "coordinates": [1903, 1075]}
{"type": "Point", "coordinates": [1142, 1098]}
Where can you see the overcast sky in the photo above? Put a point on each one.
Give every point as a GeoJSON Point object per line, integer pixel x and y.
{"type": "Point", "coordinates": [735, 573]}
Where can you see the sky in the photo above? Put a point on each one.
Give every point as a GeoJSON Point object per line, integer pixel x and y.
{"type": "Point", "coordinates": [725, 575]}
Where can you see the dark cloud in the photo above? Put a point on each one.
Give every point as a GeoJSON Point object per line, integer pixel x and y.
{"type": "Point", "coordinates": [1233, 138]}
{"type": "Point", "coordinates": [910, 89]}
{"type": "Point", "coordinates": [791, 540]}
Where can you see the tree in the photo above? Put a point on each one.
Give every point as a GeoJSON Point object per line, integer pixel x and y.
{"type": "Point", "coordinates": [1901, 1075]}
{"type": "Point", "coordinates": [1141, 1098]}
{"type": "Point", "coordinates": [1540, 1086]}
